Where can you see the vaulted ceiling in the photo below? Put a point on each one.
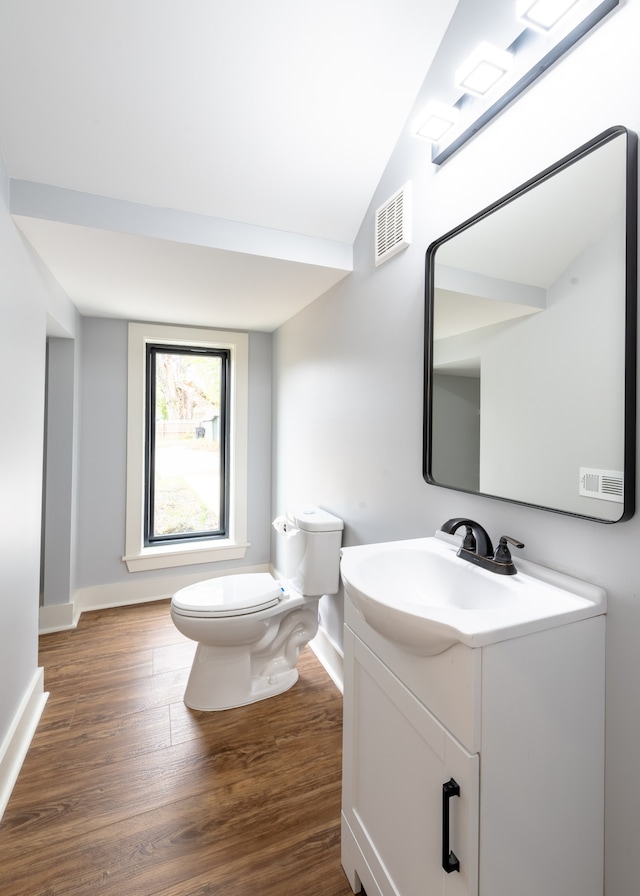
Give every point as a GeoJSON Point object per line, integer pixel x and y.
{"type": "Point", "coordinates": [203, 162]}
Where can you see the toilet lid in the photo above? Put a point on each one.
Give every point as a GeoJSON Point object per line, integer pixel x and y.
{"type": "Point", "coordinates": [229, 595]}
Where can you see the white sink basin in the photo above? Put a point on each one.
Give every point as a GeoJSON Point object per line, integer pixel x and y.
{"type": "Point", "coordinates": [421, 595]}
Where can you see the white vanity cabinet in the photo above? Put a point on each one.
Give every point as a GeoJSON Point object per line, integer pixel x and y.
{"type": "Point", "coordinates": [517, 725]}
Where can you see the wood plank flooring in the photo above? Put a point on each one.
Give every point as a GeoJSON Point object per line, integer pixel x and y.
{"type": "Point", "coordinates": [127, 792]}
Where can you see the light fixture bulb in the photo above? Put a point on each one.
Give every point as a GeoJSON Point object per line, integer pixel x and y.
{"type": "Point", "coordinates": [542, 15]}
{"type": "Point", "coordinates": [434, 121]}
{"type": "Point", "coordinates": [483, 69]}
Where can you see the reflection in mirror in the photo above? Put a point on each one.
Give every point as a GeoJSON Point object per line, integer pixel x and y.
{"type": "Point", "coordinates": [530, 340]}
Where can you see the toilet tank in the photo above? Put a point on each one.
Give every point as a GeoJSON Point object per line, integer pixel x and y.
{"type": "Point", "coordinates": [312, 551]}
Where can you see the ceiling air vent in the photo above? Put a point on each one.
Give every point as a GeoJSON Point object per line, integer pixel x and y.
{"type": "Point", "coordinates": [393, 225]}
{"type": "Point", "coordinates": [603, 484]}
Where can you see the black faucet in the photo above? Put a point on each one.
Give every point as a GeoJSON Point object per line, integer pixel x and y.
{"type": "Point", "coordinates": [477, 547]}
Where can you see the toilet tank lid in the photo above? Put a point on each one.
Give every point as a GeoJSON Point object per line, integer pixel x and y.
{"type": "Point", "coordinates": [315, 519]}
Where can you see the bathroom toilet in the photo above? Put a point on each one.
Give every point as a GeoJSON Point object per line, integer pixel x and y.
{"type": "Point", "coordinates": [250, 627]}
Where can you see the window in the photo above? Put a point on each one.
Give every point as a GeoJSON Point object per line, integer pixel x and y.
{"type": "Point", "coordinates": [186, 434]}
{"type": "Point", "coordinates": [187, 446]}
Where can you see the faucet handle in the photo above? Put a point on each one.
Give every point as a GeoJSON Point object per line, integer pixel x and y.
{"type": "Point", "coordinates": [503, 554]}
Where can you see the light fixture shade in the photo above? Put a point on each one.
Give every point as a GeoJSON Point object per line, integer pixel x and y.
{"type": "Point", "coordinates": [542, 15]}
{"type": "Point", "coordinates": [434, 121]}
{"type": "Point", "coordinates": [483, 69]}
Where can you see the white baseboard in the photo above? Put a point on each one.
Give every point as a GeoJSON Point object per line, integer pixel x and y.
{"type": "Point", "coordinates": [57, 618]}
{"type": "Point", "coordinates": [330, 656]}
{"type": "Point", "coordinates": [139, 591]}
{"type": "Point", "coordinates": [16, 744]}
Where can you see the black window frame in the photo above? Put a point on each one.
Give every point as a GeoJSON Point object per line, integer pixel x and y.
{"type": "Point", "coordinates": [153, 349]}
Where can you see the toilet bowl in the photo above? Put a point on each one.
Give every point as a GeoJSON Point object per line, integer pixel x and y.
{"type": "Point", "coordinates": [250, 627]}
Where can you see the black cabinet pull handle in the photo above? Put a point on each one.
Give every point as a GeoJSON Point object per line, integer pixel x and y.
{"type": "Point", "coordinates": [450, 861]}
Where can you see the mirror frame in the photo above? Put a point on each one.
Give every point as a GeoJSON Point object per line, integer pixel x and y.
{"type": "Point", "coordinates": [630, 317]}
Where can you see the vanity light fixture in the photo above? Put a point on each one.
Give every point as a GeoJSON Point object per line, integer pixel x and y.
{"type": "Point", "coordinates": [483, 69]}
{"type": "Point", "coordinates": [491, 78]}
{"type": "Point", "coordinates": [434, 121]}
{"type": "Point", "coordinates": [542, 15]}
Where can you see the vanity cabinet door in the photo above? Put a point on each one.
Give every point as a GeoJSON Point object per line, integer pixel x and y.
{"type": "Point", "coordinates": [397, 759]}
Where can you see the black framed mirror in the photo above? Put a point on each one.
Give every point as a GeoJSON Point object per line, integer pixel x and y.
{"type": "Point", "coordinates": [530, 341]}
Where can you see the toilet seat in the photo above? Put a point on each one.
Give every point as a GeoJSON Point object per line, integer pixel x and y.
{"type": "Point", "coordinates": [229, 596]}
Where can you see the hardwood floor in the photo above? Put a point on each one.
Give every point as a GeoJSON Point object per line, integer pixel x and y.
{"type": "Point", "coordinates": [125, 791]}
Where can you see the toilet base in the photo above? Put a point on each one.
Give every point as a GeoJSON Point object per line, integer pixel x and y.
{"type": "Point", "coordinates": [222, 678]}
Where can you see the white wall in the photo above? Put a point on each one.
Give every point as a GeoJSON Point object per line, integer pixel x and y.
{"type": "Point", "coordinates": [348, 379]}
{"type": "Point", "coordinates": [568, 412]}
{"type": "Point", "coordinates": [29, 299]}
{"type": "Point", "coordinates": [22, 357]}
{"type": "Point", "coordinates": [551, 390]}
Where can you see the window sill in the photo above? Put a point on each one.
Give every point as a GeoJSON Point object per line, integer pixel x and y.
{"type": "Point", "coordinates": [178, 555]}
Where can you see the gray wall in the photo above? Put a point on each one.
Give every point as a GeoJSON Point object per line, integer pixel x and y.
{"type": "Point", "coordinates": [455, 449]}
{"type": "Point", "coordinates": [103, 453]}
{"type": "Point", "coordinates": [58, 556]}
{"type": "Point", "coordinates": [348, 381]}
